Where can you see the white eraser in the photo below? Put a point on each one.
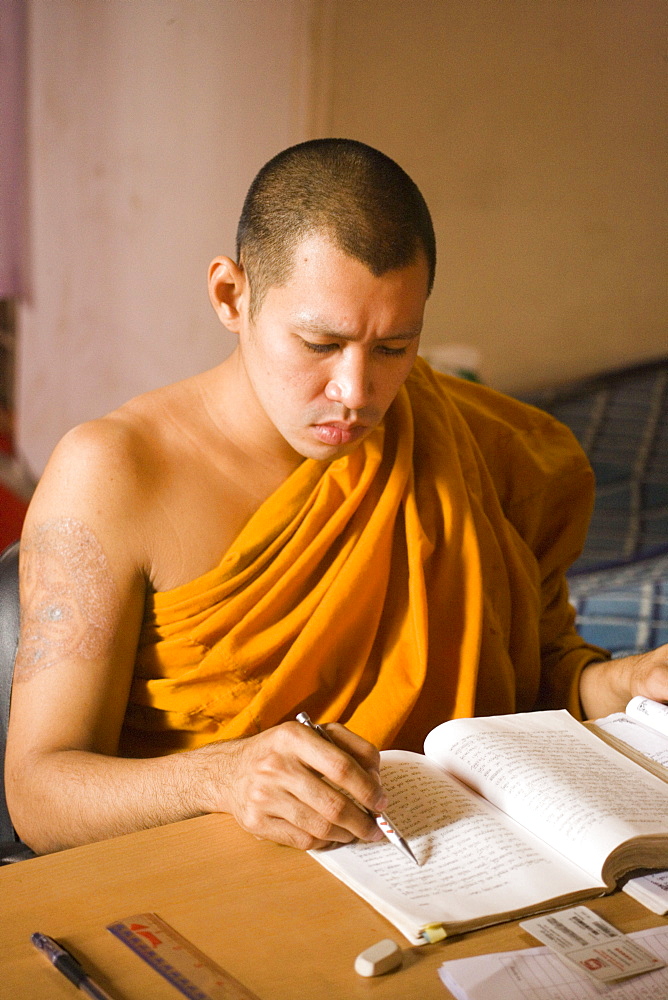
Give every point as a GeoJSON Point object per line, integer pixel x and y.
{"type": "Point", "coordinates": [379, 958]}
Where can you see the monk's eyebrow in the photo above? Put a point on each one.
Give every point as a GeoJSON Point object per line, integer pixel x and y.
{"type": "Point", "coordinates": [316, 327]}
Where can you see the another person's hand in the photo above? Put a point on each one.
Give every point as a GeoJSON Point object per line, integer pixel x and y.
{"type": "Point", "coordinates": [291, 786]}
{"type": "Point", "coordinates": [608, 686]}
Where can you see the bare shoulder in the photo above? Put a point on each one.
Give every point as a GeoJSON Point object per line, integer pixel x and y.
{"type": "Point", "coordinates": [119, 458]}
{"type": "Point", "coordinates": [107, 448]}
{"type": "Point", "coordinates": [124, 440]}
{"type": "Point", "coordinates": [149, 480]}
{"type": "Point", "coordinates": [102, 476]}
{"type": "Point", "coordinates": [91, 474]}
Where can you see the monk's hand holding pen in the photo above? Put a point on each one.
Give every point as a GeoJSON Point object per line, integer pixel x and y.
{"type": "Point", "coordinates": [289, 785]}
{"type": "Point", "coordinates": [382, 820]}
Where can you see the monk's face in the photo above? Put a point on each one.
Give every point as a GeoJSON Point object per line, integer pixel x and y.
{"type": "Point", "coordinates": [329, 350]}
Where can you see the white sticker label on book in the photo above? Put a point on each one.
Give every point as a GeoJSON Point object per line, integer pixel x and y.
{"type": "Point", "coordinates": [588, 942]}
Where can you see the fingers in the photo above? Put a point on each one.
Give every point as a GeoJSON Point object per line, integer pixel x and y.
{"type": "Point", "coordinates": [352, 764]}
{"type": "Point", "coordinates": [650, 674]}
{"type": "Point", "coordinates": [365, 753]}
{"type": "Point", "coordinates": [317, 815]}
{"type": "Point", "coordinates": [290, 785]}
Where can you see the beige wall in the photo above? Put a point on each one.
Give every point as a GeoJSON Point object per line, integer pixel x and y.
{"type": "Point", "coordinates": [147, 122]}
{"type": "Point", "coordinates": [536, 129]}
{"type": "Point", "coordinates": [537, 132]}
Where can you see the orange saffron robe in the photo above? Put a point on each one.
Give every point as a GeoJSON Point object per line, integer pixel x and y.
{"type": "Point", "coordinates": [418, 579]}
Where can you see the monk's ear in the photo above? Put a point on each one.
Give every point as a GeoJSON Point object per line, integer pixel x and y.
{"type": "Point", "coordinates": [228, 290]}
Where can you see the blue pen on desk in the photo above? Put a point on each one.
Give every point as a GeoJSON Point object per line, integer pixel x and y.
{"type": "Point", "coordinates": [382, 820]}
{"type": "Point", "coordinates": [68, 965]}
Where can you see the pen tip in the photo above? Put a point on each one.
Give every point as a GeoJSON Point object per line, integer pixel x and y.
{"type": "Point", "coordinates": [409, 852]}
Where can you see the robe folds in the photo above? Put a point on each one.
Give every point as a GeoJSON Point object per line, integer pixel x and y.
{"type": "Point", "coordinates": [417, 579]}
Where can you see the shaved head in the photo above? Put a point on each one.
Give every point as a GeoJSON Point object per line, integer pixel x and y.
{"type": "Point", "coordinates": [355, 195]}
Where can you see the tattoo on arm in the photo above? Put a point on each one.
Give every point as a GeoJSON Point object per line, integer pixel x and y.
{"type": "Point", "coordinates": [69, 597]}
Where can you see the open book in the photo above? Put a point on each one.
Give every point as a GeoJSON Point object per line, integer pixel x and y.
{"type": "Point", "coordinates": [641, 732]}
{"type": "Point", "coordinates": [507, 815]}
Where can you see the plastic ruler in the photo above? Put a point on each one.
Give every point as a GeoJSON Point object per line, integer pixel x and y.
{"type": "Point", "coordinates": [183, 965]}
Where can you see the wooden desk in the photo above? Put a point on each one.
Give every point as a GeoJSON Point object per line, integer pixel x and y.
{"type": "Point", "coordinates": [271, 916]}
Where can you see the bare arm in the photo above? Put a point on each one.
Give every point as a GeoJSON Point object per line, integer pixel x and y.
{"type": "Point", "coordinates": [608, 686]}
{"type": "Point", "coordinates": [83, 579]}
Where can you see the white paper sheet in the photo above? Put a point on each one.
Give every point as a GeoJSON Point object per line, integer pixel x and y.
{"type": "Point", "coordinates": [538, 974]}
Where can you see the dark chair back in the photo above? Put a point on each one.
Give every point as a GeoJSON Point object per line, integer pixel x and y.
{"type": "Point", "coordinates": [9, 638]}
{"type": "Point", "coordinates": [11, 849]}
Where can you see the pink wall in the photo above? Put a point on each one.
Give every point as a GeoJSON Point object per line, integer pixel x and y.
{"type": "Point", "coordinates": [12, 147]}
{"type": "Point", "coordinates": [147, 123]}
{"type": "Point", "coordinates": [537, 132]}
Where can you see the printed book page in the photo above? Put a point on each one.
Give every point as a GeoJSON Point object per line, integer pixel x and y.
{"type": "Point", "coordinates": [476, 863]}
{"type": "Point", "coordinates": [651, 713]}
{"type": "Point", "coordinates": [650, 890]}
{"type": "Point", "coordinates": [647, 741]}
{"type": "Point", "coordinates": [538, 767]}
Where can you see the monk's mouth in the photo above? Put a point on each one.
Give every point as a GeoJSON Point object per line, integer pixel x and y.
{"type": "Point", "coordinates": [338, 434]}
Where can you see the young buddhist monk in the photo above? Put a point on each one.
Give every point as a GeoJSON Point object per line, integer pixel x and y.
{"type": "Point", "coordinates": [320, 523]}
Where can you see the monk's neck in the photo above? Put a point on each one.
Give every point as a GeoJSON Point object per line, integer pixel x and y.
{"type": "Point", "coordinates": [243, 425]}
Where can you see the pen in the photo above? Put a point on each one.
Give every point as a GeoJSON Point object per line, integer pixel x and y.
{"type": "Point", "coordinates": [68, 965]}
{"type": "Point", "coordinates": [382, 820]}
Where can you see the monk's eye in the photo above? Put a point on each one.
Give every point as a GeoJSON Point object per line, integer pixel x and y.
{"type": "Point", "coordinates": [319, 348]}
{"type": "Point", "coordinates": [391, 352]}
